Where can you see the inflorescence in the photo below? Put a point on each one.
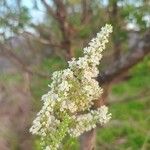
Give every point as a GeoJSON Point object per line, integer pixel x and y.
{"type": "Point", "coordinates": [67, 107]}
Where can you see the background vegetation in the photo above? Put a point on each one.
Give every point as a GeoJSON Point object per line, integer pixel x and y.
{"type": "Point", "coordinates": [38, 37]}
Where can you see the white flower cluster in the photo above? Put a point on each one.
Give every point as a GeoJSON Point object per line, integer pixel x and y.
{"type": "Point", "coordinates": [88, 121]}
{"type": "Point", "coordinates": [67, 107]}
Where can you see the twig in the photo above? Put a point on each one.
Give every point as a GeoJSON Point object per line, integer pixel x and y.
{"type": "Point", "coordinates": [18, 62]}
{"type": "Point", "coordinates": [119, 67]}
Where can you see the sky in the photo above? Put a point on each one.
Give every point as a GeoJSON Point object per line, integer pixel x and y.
{"type": "Point", "coordinates": [36, 15]}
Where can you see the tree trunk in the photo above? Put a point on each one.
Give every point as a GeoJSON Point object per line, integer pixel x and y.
{"type": "Point", "coordinates": [88, 139]}
{"type": "Point", "coordinates": [68, 49]}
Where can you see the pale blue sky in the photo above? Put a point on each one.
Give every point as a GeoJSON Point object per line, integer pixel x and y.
{"type": "Point", "coordinates": [37, 15]}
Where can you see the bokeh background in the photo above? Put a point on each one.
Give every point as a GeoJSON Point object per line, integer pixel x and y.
{"type": "Point", "coordinates": [37, 37]}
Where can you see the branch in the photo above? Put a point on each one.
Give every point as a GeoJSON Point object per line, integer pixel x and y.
{"type": "Point", "coordinates": [44, 40]}
{"type": "Point", "coordinates": [49, 9]}
{"type": "Point", "coordinates": [61, 15]}
{"type": "Point", "coordinates": [119, 67]}
{"type": "Point", "coordinates": [114, 19]}
{"type": "Point", "coordinates": [86, 11]}
{"type": "Point", "coordinates": [113, 12]}
{"type": "Point", "coordinates": [18, 62]}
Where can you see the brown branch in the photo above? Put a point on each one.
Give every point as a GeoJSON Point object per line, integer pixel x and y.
{"type": "Point", "coordinates": [45, 41]}
{"type": "Point", "coordinates": [65, 27]}
{"type": "Point", "coordinates": [60, 15]}
{"type": "Point", "coordinates": [49, 9]}
{"type": "Point", "coordinates": [86, 11]}
{"type": "Point", "coordinates": [114, 19]}
{"type": "Point", "coordinates": [7, 52]}
{"type": "Point", "coordinates": [88, 140]}
{"type": "Point", "coordinates": [119, 67]}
